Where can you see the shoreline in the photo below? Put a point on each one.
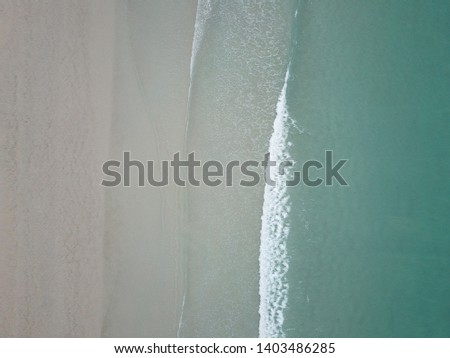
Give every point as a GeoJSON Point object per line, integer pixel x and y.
{"type": "Point", "coordinates": [235, 87]}
{"type": "Point", "coordinates": [143, 243]}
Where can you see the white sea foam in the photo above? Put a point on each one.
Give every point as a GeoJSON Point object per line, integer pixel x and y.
{"type": "Point", "coordinates": [201, 17]}
{"type": "Point", "coordinates": [180, 322]}
{"type": "Point", "coordinates": [203, 13]}
{"type": "Point", "coordinates": [273, 259]}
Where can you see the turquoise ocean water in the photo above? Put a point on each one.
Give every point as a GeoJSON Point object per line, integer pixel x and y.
{"type": "Point", "coordinates": [369, 80]}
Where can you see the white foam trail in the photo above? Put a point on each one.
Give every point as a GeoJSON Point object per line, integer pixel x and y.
{"type": "Point", "coordinates": [273, 259]}
{"type": "Point", "coordinates": [203, 13]}
{"type": "Point", "coordinates": [180, 322]}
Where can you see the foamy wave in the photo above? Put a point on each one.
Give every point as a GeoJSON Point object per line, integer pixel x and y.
{"type": "Point", "coordinates": [203, 13]}
{"type": "Point", "coordinates": [273, 259]}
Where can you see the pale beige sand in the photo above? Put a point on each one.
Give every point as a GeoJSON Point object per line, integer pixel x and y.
{"type": "Point", "coordinates": [79, 82]}
{"type": "Point", "coordinates": [55, 90]}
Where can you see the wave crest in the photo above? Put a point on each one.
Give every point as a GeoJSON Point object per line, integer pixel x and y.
{"type": "Point", "coordinates": [273, 259]}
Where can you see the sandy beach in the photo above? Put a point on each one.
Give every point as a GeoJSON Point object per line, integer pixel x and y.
{"type": "Point", "coordinates": [81, 81]}
{"type": "Point", "coordinates": [56, 83]}
{"type": "Point", "coordinates": [143, 237]}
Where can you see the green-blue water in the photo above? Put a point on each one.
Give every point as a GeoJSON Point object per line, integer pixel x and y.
{"type": "Point", "coordinates": [370, 80]}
